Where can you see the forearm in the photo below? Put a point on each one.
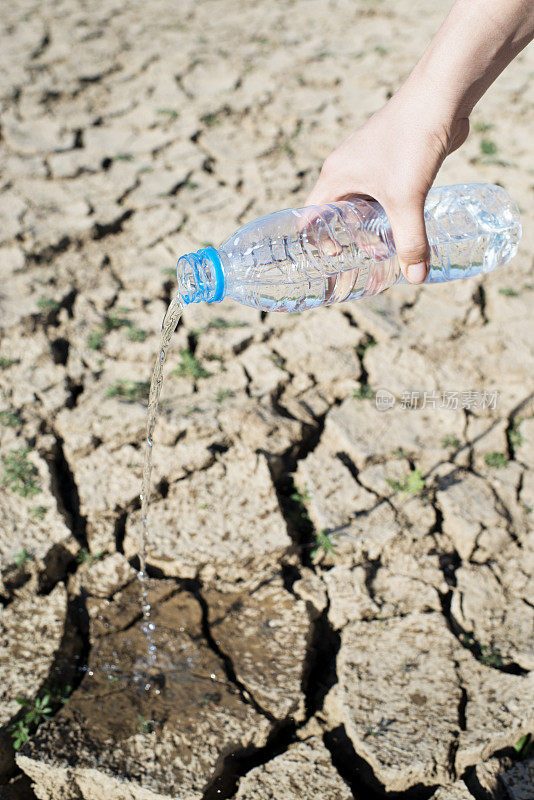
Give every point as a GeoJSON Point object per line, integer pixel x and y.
{"type": "Point", "coordinates": [477, 40]}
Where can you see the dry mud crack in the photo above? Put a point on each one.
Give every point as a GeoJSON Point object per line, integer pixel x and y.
{"type": "Point", "coordinates": [327, 631]}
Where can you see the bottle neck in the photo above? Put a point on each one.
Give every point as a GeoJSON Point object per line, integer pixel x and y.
{"type": "Point", "coordinates": [201, 277]}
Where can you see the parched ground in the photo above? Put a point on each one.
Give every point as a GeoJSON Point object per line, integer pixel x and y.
{"type": "Point", "coordinates": [343, 597]}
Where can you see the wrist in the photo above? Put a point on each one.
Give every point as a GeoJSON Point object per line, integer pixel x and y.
{"type": "Point", "coordinates": [425, 100]}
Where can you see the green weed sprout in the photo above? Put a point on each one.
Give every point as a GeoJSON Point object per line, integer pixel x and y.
{"type": "Point", "coordinates": [144, 725]}
{"type": "Point", "coordinates": [190, 366]}
{"type": "Point", "coordinates": [22, 557]}
{"type": "Point", "coordinates": [363, 392]}
{"type": "Point", "coordinates": [36, 712]}
{"type": "Point", "coordinates": [20, 475]}
{"type": "Point", "coordinates": [515, 436]}
{"type": "Point", "coordinates": [450, 441]}
{"type": "Point", "coordinates": [412, 483]}
{"type": "Point", "coordinates": [323, 542]}
{"type": "Point", "coordinates": [8, 419]}
{"type": "Point", "coordinates": [495, 460]}
{"type": "Point", "coordinates": [131, 391]}
{"type": "Point", "coordinates": [46, 304]}
{"type": "Point", "coordinates": [85, 557]}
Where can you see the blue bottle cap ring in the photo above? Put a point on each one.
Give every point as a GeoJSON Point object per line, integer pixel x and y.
{"type": "Point", "coordinates": [214, 257]}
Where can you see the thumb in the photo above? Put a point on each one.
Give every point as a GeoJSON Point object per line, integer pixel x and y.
{"type": "Point", "coordinates": [408, 225]}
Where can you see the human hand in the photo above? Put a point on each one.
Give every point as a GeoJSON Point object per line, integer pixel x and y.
{"type": "Point", "coordinates": [394, 158]}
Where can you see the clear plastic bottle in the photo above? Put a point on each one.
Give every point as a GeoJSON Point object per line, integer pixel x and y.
{"type": "Point", "coordinates": [303, 258]}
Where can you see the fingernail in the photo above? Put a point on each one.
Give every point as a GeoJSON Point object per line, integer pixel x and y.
{"type": "Point", "coordinates": [416, 273]}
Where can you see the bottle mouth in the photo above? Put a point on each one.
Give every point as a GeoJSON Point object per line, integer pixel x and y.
{"type": "Point", "coordinates": [201, 277]}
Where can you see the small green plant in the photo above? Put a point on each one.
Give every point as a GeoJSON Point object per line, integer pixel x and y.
{"type": "Point", "coordinates": [61, 695]}
{"type": "Point", "coordinates": [137, 334]}
{"type": "Point", "coordinates": [467, 641]}
{"type": "Point", "coordinates": [20, 733]}
{"type": "Point", "coordinates": [5, 362]}
{"type": "Point", "coordinates": [486, 655]}
{"type": "Point", "coordinates": [483, 127]}
{"type": "Point", "coordinates": [495, 460]}
{"type": "Point", "coordinates": [363, 392]}
{"type": "Point", "coordinates": [507, 291]}
{"type": "Point", "coordinates": [380, 50]}
{"type": "Point", "coordinates": [515, 437]}
{"type": "Point", "coordinates": [95, 340]}
{"type": "Point", "coordinates": [169, 272]}
{"type": "Point", "coordinates": [8, 419]}
{"type": "Point", "coordinates": [380, 727]}
{"type": "Point", "coordinates": [323, 542]}
{"type": "Point", "coordinates": [112, 322]}
{"type": "Point", "coordinates": [300, 496]}
{"type": "Point", "coordinates": [488, 147]}
{"type": "Point", "coordinates": [20, 475]}
{"type": "Point", "coordinates": [85, 557]}
{"type": "Point", "coordinates": [171, 113]}
{"type": "Point", "coordinates": [46, 304]}
{"type": "Point", "coordinates": [39, 711]}
{"type": "Point", "coordinates": [124, 157]}
{"type": "Point", "coordinates": [22, 557]}
{"type": "Point", "coordinates": [219, 323]}
{"type": "Point", "coordinates": [297, 510]}
{"type": "Point", "coordinates": [223, 394]}
{"type": "Point", "coordinates": [524, 746]}
{"type": "Point", "coordinates": [490, 657]}
{"type": "Point", "coordinates": [190, 366]}
{"type": "Point", "coordinates": [35, 712]}
{"type": "Point", "coordinates": [363, 346]}
{"type": "Point", "coordinates": [287, 148]}
{"type": "Point", "coordinates": [145, 725]}
{"type": "Point", "coordinates": [131, 391]}
{"type": "Point", "coordinates": [412, 483]}
{"type": "Point", "coordinates": [211, 119]}
{"type": "Point", "coordinates": [450, 441]}
{"type": "Point", "coordinates": [38, 512]}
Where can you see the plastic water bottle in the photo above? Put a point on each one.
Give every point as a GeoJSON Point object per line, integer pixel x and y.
{"type": "Point", "coordinates": [308, 257]}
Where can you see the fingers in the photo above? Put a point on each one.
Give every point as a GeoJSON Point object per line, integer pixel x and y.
{"type": "Point", "coordinates": [408, 226]}
{"type": "Point", "coordinates": [338, 180]}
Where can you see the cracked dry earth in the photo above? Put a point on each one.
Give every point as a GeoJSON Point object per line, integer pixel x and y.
{"type": "Point", "coordinates": [397, 658]}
